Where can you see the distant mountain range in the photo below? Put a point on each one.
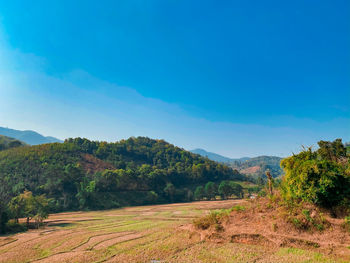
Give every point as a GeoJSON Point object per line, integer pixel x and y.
{"type": "Point", "coordinates": [217, 157]}
{"type": "Point", "coordinates": [256, 166]}
{"type": "Point", "coordinates": [29, 137]}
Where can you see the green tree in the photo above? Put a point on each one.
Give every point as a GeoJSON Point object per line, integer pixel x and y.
{"type": "Point", "coordinates": [170, 190]}
{"type": "Point", "coordinates": [225, 189]}
{"type": "Point", "coordinates": [211, 190]}
{"type": "Point", "coordinates": [18, 205]}
{"type": "Point", "coordinates": [331, 151]}
{"type": "Point", "coordinates": [199, 193]}
{"type": "Point", "coordinates": [189, 195]}
{"type": "Point", "coordinates": [319, 177]}
{"type": "Point", "coordinates": [151, 197]}
{"type": "Point", "coordinates": [86, 194]}
{"type": "Point", "coordinates": [29, 206]}
{"type": "Point", "coordinates": [237, 189]}
{"type": "Point", "coordinates": [37, 209]}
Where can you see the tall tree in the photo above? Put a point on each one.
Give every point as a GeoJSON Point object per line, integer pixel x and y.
{"type": "Point", "coordinates": [211, 190]}
{"type": "Point", "coordinates": [199, 193]}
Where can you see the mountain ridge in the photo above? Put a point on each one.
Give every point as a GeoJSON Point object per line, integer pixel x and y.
{"type": "Point", "coordinates": [247, 165]}
{"type": "Point", "coordinates": [217, 157]}
{"type": "Point", "coordinates": [28, 136]}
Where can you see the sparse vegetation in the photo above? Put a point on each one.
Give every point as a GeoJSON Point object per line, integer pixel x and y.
{"type": "Point", "coordinates": [347, 223]}
{"type": "Point", "coordinates": [212, 219]}
{"type": "Point", "coordinates": [215, 218]}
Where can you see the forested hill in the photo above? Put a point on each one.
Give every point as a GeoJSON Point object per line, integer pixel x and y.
{"type": "Point", "coordinates": [8, 143]}
{"type": "Point", "coordinates": [80, 174]}
{"type": "Point", "coordinates": [256, 166]}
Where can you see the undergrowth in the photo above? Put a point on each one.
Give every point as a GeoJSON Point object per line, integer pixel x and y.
{"type": "Point", "coordinates": [215, 218]}
{"type": "Point", "coordinates": [302, 215]}
{"type": "Point", "coordinates": [347, 223]}
{"type": "Point", "coordinates": [12, 227]}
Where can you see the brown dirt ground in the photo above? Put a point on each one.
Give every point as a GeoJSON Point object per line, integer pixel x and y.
{"type": "Point", "coordinates": [165, 233]}
{"type": "Point", "coordinates": [262, 225]}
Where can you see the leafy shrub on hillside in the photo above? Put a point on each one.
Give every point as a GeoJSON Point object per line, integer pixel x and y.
{"type": "Point", "coordinates": [212, 219]}
{"type": "Point", "coordinates": [215, 218]}
{"type": "Point", "coordinates": [321, 177]}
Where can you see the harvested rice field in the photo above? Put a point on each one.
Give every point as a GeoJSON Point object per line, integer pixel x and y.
{"type": "Point", "coordinates": [139, 234]}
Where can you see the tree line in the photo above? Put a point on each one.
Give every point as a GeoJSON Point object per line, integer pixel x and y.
{"type": "Point", "coordinates": [225, 190]}
{"type": "Point", "coordinates": [83, 174]}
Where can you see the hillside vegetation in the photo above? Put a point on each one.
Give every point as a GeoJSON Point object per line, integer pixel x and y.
{"type": "Point", "coordinates": [320, 177]}
{"type": "Point", "coordinates": [8, 143]}
{"type": "Point", "coordinates": [83, 174]}
{"type": "Point", "coordinates": [256, 167]}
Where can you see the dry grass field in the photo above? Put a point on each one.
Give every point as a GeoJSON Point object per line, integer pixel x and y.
{"type": "Point", "coordinates": [139, 234]}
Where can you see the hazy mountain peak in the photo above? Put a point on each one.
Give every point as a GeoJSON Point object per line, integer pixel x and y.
{"type": "Point", "coordinates": [256, 165]}
{"type": "Point", "coordinates": [217, 157]}
{"type": "Point", "coordinates": [212, 156]}
{"type": "Point", "coordinates": [28, 136]}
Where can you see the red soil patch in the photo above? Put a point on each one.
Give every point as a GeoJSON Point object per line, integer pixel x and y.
{"type": "Point", "coordinates": [250, 170]}
{"type": "Point", "coordinates": [91, 164]}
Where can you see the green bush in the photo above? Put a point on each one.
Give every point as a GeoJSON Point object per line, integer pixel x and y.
{"type": "Point", "coordinates": [237, 208]}
{"type": "Point", "coordinates": [212, 219]}
{"type": "Point", "coordinates": [320, 177]}
{"type": "Point", "coordinates": [13, 227]}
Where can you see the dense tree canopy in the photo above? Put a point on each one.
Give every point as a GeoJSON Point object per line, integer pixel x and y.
{"type": "Point", "coordinates": [84, 174]}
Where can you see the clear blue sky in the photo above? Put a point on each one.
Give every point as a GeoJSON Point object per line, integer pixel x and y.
{"type": "Point", "coordinates": [240, 78]}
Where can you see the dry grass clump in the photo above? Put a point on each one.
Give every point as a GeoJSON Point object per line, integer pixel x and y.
{"type": "Point", "coordinates": [212, 219]}
{"type": "Point", "coordinates": [215, 218]}
{"type": "Point", "coordinates": [302, 216]}
{"type": "Point", "coordinates": [307, 219]}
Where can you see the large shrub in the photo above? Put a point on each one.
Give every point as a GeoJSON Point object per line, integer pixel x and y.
{"type": "Point", "coordinates": [320, 177]}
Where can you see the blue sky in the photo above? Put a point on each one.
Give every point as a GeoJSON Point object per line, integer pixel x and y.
{"type": "Point", "coordinates": [240, 78]}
